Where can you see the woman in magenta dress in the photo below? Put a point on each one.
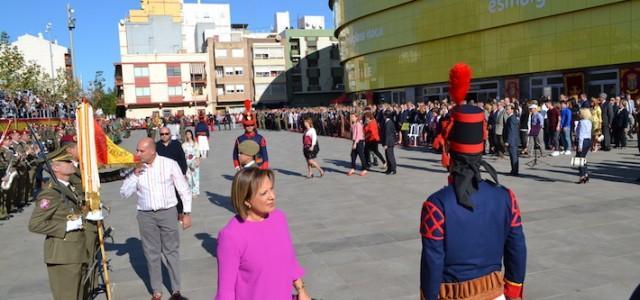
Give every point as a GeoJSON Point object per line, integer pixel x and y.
{"type": "Point", "coordinates": [256, 258]}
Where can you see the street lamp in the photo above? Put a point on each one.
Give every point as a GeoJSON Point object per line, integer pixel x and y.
{"type": "Point", "coordinates": [71, 25]}
{"type": "Point", "coordinates": [53, 74]}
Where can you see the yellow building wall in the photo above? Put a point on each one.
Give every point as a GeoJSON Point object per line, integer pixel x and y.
{"type": "Point", "coordinates": [418, 42]}
{"type": "Point", "coordinates": [171, 8]}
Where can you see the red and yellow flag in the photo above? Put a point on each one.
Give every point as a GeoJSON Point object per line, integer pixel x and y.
{"type": "Point", "coordinates": [109, 154]}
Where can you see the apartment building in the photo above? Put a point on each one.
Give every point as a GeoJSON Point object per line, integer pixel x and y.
{"type": "Point", "coordinates": [231, 70]}
{"type": "Point", "coordinates": [269, 72]}
{"type": "Point", "coordinates": [315, 75]}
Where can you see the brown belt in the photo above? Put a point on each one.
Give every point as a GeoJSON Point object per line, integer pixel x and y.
{"type": "Point", "coordinates": [487, 287]}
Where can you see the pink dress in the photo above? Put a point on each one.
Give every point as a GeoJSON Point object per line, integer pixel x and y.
{"type": "Point", "coordinates": [256, 260]}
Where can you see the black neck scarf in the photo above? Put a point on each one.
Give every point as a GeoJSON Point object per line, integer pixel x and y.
{"type": "Point", "coordinates": [465, 172]}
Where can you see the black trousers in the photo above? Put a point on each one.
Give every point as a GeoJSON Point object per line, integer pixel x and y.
{"type": "Point", "coordinates": [513, 156]}
{"type": "Point", "coordinates": [359, 152]}
{"type": "Point", "coordinates": [372, 147]}
{"type": "Point", "coordinates": [391, 159]}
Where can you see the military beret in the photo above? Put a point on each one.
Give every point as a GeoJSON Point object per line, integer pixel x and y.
{"type": "Point", "coordinates": [248, 147]}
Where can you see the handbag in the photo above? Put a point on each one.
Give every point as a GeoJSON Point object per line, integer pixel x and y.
{"type": "Point", "coordinates": [577, 162]}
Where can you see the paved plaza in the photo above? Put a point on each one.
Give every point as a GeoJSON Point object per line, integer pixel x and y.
{"type": "Point", "coordinates": [357, 238]}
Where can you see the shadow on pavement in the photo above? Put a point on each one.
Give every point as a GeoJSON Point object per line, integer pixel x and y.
{"type": "Point", "coordinates": [288, 173]}
{"type": "Point", "coordinates": [228, 177]}
{"type": "Point", "coordinates": [220, 200]}
{"type": "Point", "coordinates": [133, 247]}
{"type": "Point", "coordinates": [209, 243]}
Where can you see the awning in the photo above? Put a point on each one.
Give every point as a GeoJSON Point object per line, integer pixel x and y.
{"type": "Point", "coordinates": [197, 68]}
{"type": "Point", "coordinates": [340, 100]}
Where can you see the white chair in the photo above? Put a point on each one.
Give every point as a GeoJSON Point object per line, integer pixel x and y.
{"type": "Point", "coordinates": [413, 135]}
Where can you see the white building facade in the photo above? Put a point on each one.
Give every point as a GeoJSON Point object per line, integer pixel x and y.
{"type": "Point", "coordinates": [311, 22]}
{"type": "Point", "coordinates": [201, 21]}
{"type": "Point", "coordinates": [169, 83]}
{"type": "Point", "coordinates": [43, 52]}
{"type": "Point", "coordinates": [269, 72]}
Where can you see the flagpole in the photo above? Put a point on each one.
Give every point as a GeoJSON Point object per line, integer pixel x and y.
{"type": "Point", "coordinates": [91, 178]}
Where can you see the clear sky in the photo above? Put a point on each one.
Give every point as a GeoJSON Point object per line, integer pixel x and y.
{"type": "Point", "coordinates": [96, 33]}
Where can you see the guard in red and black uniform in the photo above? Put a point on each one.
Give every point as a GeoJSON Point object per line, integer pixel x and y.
{"type": "Point", "coordinates": [472, 226]}
{"type": "Point", "coordinates": [249, 123]}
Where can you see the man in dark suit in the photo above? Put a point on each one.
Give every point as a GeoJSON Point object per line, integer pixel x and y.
{"type": "Point", "coordinates": [512, 138]}
{"type": "Point", "coordinates": [607, 119]}
{"type": "Point", "coordinates": [172, 149]}
{"type": "Point", "coordinates": [620, 124]}
{"type": "Point", "coordinates": [389, 141]}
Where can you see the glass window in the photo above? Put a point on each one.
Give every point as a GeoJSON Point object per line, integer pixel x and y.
{"type": "Point", "coordinates": [221, 52]}
{"type": "Point", "coordinates": [237, 53]}
{"type": "Point", "coordinates": [239, 71]}
{"type": "Point", "coordinates": [141, 71]}
{"type": "Point", "coordinates": [555, 80]}
{"type": "Point", "coordinates": [219, 71]}
{"type": "Point", "coordinates": [173, 70]}
{"type": "Point", "coordinates": [262, 74]}
{"type": "Point", "coordinates": [220, 89]}
{"type": "Point", "coordinates": [175, 91]}
{"type": "Point", "coordinates": [239, 88]}
{"type": "Point", "coordinates": [261, 56]}
{"type": "Point", "coordinates": [143, 91]}
{"type": "Point", "coordinates": [229, 88]}
{"type": "Point", "coordinates": [228, 71]}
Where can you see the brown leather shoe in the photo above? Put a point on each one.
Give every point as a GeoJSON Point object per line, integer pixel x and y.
{"type": "Point", "coordinates": [177, 296]}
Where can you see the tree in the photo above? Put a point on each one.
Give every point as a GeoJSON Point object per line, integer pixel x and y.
{"type": "Point", "coordinates": [108, 102]}
{"type": "Point", "coordinates": [11, 65]}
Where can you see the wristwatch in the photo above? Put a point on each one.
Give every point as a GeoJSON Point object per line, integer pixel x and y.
{"type": "Point", "coordinates": [186, 213]}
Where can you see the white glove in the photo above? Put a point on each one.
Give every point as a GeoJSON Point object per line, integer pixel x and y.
{"type": "Point", "coordinates": [95, 215]}
{"type": "Point", "coordinates": [74, 224]}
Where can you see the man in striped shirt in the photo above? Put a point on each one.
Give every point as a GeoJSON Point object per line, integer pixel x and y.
{"type": "Point", "coordinates": [155, 183]}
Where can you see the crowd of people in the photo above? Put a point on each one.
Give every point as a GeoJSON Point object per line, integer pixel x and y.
{"type": "Point", "coordinates": [167, 180]}
{"type": "Point", "coordinates": [539, 128]}
{"type": "Point", "coordinates": [29, 105]}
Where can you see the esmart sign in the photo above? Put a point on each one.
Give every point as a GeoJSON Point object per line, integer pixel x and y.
{"type": "Point", "coordinates": [496, 6]}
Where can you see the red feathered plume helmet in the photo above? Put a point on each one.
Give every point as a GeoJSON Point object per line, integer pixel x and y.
{"type": "Point", "coordinates": [249, 119]}
{"type": "Point", "coordinates": [465, 131]}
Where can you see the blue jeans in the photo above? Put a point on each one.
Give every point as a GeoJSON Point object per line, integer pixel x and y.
{"type": "Point", "coordinates": [566, 140]}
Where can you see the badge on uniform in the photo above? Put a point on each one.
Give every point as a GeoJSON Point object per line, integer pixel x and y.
{"type": "Point", "coordinates": [44, 204]}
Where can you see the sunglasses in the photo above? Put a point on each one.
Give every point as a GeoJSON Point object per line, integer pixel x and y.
{"type": "Point", "coordinates": [164, 134]}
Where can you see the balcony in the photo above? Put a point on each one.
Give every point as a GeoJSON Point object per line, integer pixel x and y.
{"type": "Point", "coordinates": [314, 88]}
{"type": "Point", "coordinates": [295, 52]}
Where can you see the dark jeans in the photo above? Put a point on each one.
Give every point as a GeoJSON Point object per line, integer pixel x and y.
{"type": "Point", "coordinates": [358, 152]}
{"type": "Point", "coordinates": [586, 146]}
{"type": "Point", "coordinates": [372, 147]}
{"type": "Point", "coordinates": [391, 159]}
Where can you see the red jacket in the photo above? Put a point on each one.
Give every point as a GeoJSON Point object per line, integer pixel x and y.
{"type": "Point", "coordinates": [371, 133]}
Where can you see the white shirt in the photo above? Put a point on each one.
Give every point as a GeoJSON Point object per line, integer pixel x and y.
{"type": "Point", "coordinates": [156, 186]}
{"type": "Point", "coordinates": [313, 135]}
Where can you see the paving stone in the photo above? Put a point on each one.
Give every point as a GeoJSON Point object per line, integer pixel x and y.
{"type": "Point", "coordinates": [357, 237]}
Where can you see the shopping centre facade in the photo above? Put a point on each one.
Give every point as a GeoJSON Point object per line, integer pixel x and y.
{"type": "Point", "coordinates": [401, 50]}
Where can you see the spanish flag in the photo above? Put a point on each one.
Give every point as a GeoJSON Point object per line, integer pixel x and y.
{"type": "Point", "coordinates": [109, 154]}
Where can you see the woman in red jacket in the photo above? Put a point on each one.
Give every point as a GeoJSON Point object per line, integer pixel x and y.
{"type": "Point", "coordinates": [372, 139]}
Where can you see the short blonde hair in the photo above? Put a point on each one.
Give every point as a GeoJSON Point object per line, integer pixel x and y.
{"type": "Point", "coordinates": [245, 185]}
{"type": "Point", "coordinates": [585, 113]}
